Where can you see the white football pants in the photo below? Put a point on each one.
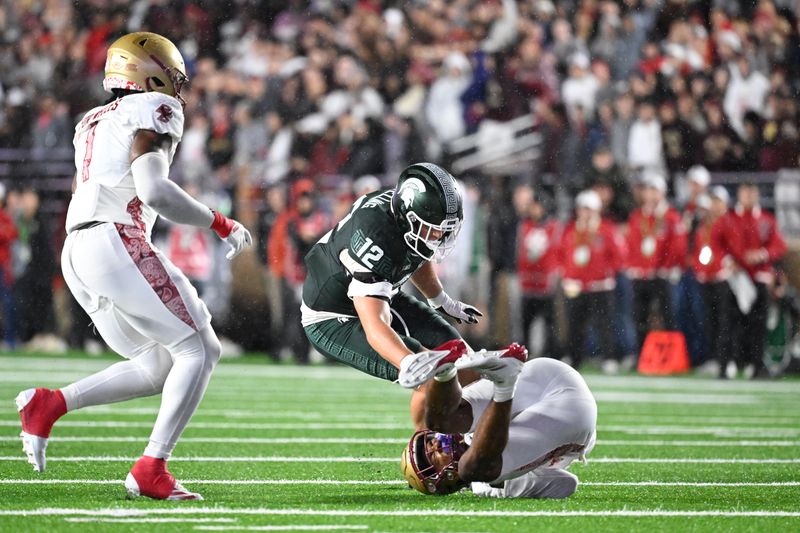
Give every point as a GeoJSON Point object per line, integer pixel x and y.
{"type": "Point", "coordinates": [147, 311]}
{"type": "Point", "coordinates": [553, 420]}
{"type": "Point", "coordinates": [553, 483]}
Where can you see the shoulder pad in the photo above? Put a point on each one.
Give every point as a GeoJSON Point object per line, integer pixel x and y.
{"type": "Point", "coordinates": [154, 111]}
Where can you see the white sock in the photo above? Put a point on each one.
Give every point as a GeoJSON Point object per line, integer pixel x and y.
{"type": "Point", "coordinates": [193, 361]}
{"type": "Point", "coordinates": [142, 375]}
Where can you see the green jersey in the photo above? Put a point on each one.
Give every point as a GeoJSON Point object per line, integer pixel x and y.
{"type": "Point", "coordinates": [364, 255]}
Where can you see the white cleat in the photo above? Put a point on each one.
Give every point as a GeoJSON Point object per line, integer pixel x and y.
{"type": "Point", "coordinates": [34, 447]}
{"type": "Point", "coordinates": [497, 365]}
{"type": "Point", "coordinates": [416, 369]}
{"type": "Point", "coordinates": [179, 492]}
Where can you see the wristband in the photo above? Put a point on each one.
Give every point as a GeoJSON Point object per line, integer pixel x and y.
{"type": "Point", "coordinates": [438, 300]}
{"type": "Point", "coordinates": [504, 393]}
{"type": "Point", "coordinates": [222, 225]}
{"type": "Point", "coordinates": [447, 375]}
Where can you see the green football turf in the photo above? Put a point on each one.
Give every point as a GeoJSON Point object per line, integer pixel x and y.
{"type": "Point", "coordinates": [285, 448]}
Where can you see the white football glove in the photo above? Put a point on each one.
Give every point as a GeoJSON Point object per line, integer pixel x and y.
{"type": "Point", "coordinates": [232, 232]}
{"type": "Point", "coordinates": [455, 309]}
{"type": "Point", "coordinates": [238, 240]}
{"type": "Point", "coordinates": [501, 367]}
{"type": "Point", "coordinates": [417, 368]}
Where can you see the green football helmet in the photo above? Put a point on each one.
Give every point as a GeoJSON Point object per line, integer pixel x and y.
{"type": "Point", "coordinates": [427, 205]}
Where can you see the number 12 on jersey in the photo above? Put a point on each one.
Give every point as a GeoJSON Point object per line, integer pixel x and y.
{"type": "Point", "coordinates": [369, 253]}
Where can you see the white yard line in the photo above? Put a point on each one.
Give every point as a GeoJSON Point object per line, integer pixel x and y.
{"type": "Point", "coordinates": [675, 398]}
{"type": "Point", "coordinates": [774, 484]}
{"type": "Point", "coordinates": [152, 520]}
{"type": "Point", "coordinates": [355, 440]}
{"type": "Point", "coordinates": [283, 528]}
{"type": "Point", "coordinates": [225, 425]}
{"type": "Point", "coordinates": [11, 363]}
{"type": "Point", "coordinates": [744, 431]}
{"type": "Point", "coordinates": [684, 419]}
{"type": "Point", "coordinates": [365, 416]}
{"type": "Point", "coordinates": [339, 459]}
{"type": "Point", "coordinates": [189, 511]}
{"type": "Point", "coordinates": [257, 413]}
{"type": "Point", "coordinates": [700, 443]}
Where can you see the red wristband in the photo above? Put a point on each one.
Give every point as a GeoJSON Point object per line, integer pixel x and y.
{"type": "Point", "coordinates": [222, 225]}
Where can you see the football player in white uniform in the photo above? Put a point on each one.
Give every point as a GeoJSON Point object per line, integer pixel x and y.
{"type": "Point", "coordinates": [143, 306]}
{"type": "Point", "coordinates": [511, 434]}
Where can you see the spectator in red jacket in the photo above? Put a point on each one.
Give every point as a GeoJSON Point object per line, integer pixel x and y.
{"type": "Point", "coordinates": [538, 239]}
{"type": "Point", "coordinates": [656, 250]}
{"type": "Point", "coordinates": [8, 234]}
{"type": "Point", "coordinates": [307, 223]}
{"type": "Point", "coordinates": [590, 257]}
{"type": "Point", "coordinates": [751, 237]}
{"type": "Point", "coordinates": [711, 266]}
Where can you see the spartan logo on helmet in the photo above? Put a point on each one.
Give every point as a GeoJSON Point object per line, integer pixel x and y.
{"type": "Point", "coordinates": [427, 206]}
{"type": "Point", "coordinates": [410, 189]}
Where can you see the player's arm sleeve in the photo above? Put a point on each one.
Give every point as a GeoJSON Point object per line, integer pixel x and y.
{"type": "Point", "coordinates": [157, 121]}
{"type": "Point", "coordinates": [151, 178]}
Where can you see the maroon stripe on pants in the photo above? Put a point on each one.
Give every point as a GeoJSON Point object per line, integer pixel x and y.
{"type": "Point", "coordinates": [148, 263]}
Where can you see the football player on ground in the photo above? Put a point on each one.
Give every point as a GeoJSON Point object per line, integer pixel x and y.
{"type": "Point", "coordinates": [353, 310]}
{"type": "Point", "coordinates": [143, 306]}
{"type": "Point", "coordinates": [511, 434]}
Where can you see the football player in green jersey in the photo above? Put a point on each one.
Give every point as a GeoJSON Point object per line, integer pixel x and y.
{"type": "Point", "coordinates": [353, 310]}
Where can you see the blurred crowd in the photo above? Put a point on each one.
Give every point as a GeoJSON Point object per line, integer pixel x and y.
{"type": "Point", "coordinates": [294, 108]}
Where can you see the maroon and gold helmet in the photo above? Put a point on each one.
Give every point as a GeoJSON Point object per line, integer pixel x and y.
{"type": "Point", "coordinates": [418, 467]}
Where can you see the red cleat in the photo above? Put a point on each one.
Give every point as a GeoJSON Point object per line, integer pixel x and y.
{"type": "Point", "coordinates": [416, 369]}
{"type": "Point", "coordinates": [516, 351]}
{"type": "Point", "coordinates": [38, 411]}
{"type": "Point", "coordinates": [150, 477]}
{"type": "Point", "coordinates": [497, 365]}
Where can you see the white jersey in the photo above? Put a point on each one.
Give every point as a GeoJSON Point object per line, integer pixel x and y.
{"type": "Point", "coordinates": [553, 417]}
{"type": "Point", "coordinates": [103, 138]}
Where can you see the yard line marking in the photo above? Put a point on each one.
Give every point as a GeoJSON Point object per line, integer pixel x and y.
{"type": "Point", "coordinates": [699, 419]}
{"type": "Point", "coordinates": [238, 413]}
{"type": "Point", "coordinates": [151, 520]}
{"type": "Point", "coordinates": [222, 425]}
{"type": "Point", "coordinates": [336, 374]}
{"type": "Point", "coordinates": [326, 416]}
{"type": "Point", "coordinates": [690, 484]}
{"type": "Point", "coordinates": [755, 431]}
{"type": "Point", "coordinates": [339, 459]}
{"type": "Point", "coordinates": [128, 512]}
{"type": "Point", "coordinates": [775, 484]}
{"type": "Point", "coordinates": [233, 440]}
{"type": "Point", "coordinates": [356, 440]}
{"type": "Point", "coordinates": [226, 368]}
{"type": "Point", "coordinates": [673, 398]}
{"type": "Point", "coordinates": [700, 443]}
{"type": "Point", "coordinates": [282, 528]}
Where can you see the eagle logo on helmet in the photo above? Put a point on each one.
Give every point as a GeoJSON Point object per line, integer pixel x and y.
{"type": "Point", "coordinates": [410, 189]}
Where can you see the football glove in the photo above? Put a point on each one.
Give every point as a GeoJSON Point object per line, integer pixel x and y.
{"type": "Point", "coordinates": [416, 369]}
{"type": "Point", "coordinates": [502, 367]}
{"type": "Point", "coordinates": [455, 309]}
{"type": "Point", "coordinates": [233, 233]}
